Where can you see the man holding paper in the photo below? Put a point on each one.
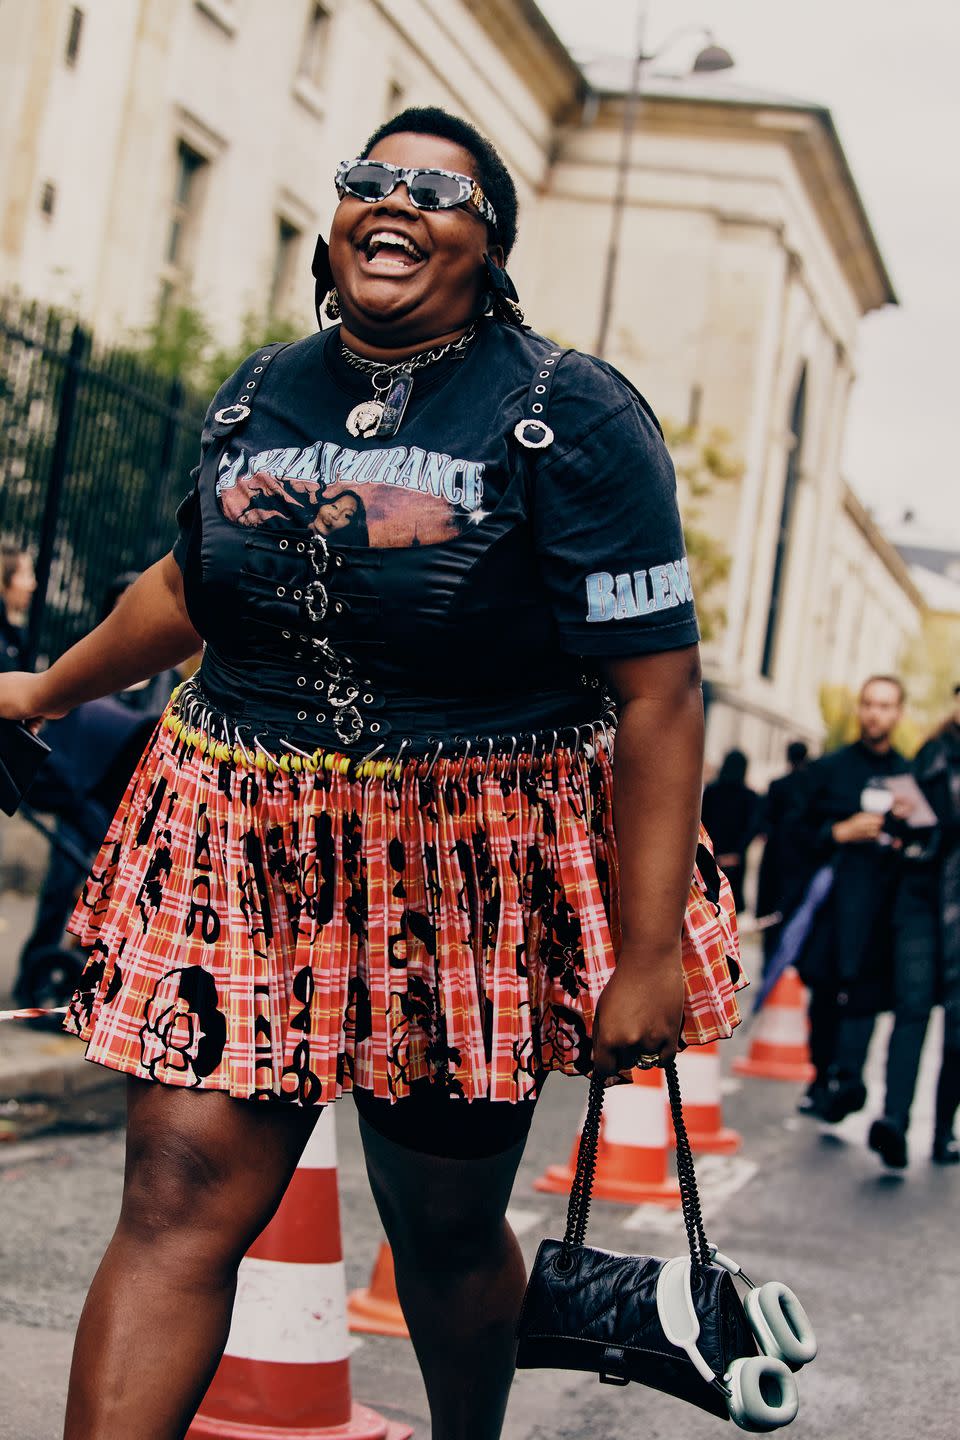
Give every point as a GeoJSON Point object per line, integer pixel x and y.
{"type": "Point", "coordinates": [845, 816]}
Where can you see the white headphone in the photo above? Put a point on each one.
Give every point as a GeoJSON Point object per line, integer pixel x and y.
{"type": "Point", "coordinates": [760, 1391]}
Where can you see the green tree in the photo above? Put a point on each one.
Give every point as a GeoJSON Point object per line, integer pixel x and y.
{"type": "Point", "coordinates": [180, 343]}
{"type": "Point", "coordinates": [930, 665]}
{"type": "Point", "coordinates": [703, 461]}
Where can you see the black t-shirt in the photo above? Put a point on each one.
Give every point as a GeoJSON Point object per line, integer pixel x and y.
{"type": "Point", "coordinates": [468, 581]}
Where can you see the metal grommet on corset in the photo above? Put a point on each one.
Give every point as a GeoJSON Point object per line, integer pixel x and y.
{"type": "Point", "coordinates": [229, 417]}
{"type": "Point", "coordinates": [232, 414]}
{"type": "Point", "coordinates": [533, 432]}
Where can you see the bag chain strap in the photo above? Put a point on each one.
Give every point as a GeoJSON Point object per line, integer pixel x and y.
{"type": "Point", "coordinates": [578, 1208]}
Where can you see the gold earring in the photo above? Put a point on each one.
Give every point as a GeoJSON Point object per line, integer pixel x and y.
{"type": "Point", "coordinates": [331, 305]}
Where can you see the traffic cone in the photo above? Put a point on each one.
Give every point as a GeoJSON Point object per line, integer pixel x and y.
{"type": "Point", "coordinates": [779, 1050]}
{"type": "Point", "coordinates": [376, 1310]}
{"type": "Point", "coordinates": [285, 1373]}
{"type": "Point", "coordinates": [632, 1152]}
{"type": "Point", "coordinates": [698, 1068]}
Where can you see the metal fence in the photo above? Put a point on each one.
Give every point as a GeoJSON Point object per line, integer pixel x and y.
{"type": "Point", "coordinates": [95, 453]}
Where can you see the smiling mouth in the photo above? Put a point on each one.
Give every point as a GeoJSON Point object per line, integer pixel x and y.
{"type": "Point", "coordinates": [388, 251]}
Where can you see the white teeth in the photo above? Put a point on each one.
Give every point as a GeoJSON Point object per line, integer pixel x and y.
{"type": "Point", "coordinates": [389, 237]}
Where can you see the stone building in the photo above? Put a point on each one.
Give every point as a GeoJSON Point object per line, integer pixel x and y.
{"type": "Point", "coordinates": [166, 148]}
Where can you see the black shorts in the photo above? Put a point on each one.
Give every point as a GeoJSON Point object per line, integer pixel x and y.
{"type": "Point", "coordinates": [433, 1122]}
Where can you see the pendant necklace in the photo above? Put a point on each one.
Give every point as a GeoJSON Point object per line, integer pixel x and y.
{"type": "Point", "coordinates": [381, 415]}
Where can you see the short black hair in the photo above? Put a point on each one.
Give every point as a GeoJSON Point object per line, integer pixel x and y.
{"type": "Point", "coordinates": [494, 178]}
{"type": "Point", "coordinates": [797, 752]}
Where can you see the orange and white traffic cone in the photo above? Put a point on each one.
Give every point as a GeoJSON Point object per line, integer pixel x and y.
{"type": "Point", "coordinates": [632, 1152]}
{"type": "Point", "coordinates": [698, 1068]}
{"type": "Point", "coordinates": [376, 1310]}
{"type": "Point", "coordinates": [285, 1374]}
{"type": "Point", "coordinates": [779, 1049]}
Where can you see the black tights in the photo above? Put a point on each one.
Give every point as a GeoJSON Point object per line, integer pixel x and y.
{"type": "Point", "coordinates": [919, 980]}
{"type": "Point", "coordinates": [204, 1174]}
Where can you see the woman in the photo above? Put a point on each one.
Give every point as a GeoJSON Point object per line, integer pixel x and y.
{"type": "Point", "coordinates": [343, 515]}
{"type": "Point", "coordinates": [17, 584]}
{"type": "Point", "coordinates": [927, 960]}
{"type": "Point", "coordinates": [316, 871]}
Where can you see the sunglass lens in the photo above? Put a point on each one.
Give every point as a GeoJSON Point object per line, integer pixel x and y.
{"type": "Point", "coordinates": [431, 191]}
{"type": "Point", "coordinates": [369, 182]}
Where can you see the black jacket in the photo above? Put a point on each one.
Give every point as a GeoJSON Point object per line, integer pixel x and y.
{"type": "Point", "coordinates": [937, 769]}
{"type": "Point", "coordinates": [849, 947]}
{"type": "Point", "coordinates": [777, 882]}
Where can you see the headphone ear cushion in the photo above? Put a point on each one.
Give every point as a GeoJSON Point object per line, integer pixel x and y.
{"type": "Point", "coordinates": [763, 1394]}
{"type": "Point", "coordinates": [780, 1324]}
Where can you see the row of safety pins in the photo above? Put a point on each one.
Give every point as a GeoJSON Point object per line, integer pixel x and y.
{"type": "Point", "coordinates": [195, 725]}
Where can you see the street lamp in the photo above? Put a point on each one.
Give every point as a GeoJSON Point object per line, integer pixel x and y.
{"type": "Point", "coordinates": [711, 58]}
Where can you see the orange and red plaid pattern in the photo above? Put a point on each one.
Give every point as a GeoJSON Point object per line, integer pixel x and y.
{"type": "Point", "coordinates": [288, 935]}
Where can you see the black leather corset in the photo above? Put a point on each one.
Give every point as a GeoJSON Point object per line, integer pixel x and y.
{"type": "Point", "coordinates": [349, 646]}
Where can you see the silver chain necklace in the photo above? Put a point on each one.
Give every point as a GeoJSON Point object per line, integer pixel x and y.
{"type": "Point", "coordinates": [392, 386]}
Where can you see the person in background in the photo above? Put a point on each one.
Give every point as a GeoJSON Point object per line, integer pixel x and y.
{"type": "Point", "coordinates": [839, 820]}
{"type": "Point", "coordinates": [730, 811]}
{"type": "Point", "coordinates": [927, 959]}
{"type": "Point", "coordinates": [94, 750]}
{"type": "Point", "coordinates": [776, 884]}
{"type": "Point", "coordinates": [17, 584]}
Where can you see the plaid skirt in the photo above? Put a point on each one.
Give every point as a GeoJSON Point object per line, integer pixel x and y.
{"type": "Point", "coordinates": [286, 931]}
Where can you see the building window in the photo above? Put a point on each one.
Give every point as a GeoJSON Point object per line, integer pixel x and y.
{"type": "Point", "coordinates": [48, 198]}
{"type": "Point", "coordinates": [74, 31]}
{"type": "Point", "coordinates": [285, 258]}
{"type": "Point", "coordinates": [316, 38]}
{"type": "Point", "coordinates": [787, 508]}
{"type": "Point", "coordinates": [191, 173]}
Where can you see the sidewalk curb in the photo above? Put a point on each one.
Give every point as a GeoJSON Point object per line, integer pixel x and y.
{"type": "Point", "coordinates": [55, 1069]}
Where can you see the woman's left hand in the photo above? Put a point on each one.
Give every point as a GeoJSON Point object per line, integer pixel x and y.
{"type": "Point", "coordinates": [640, 1011]}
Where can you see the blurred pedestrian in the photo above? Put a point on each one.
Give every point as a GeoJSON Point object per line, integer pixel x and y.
{"type": "Point", "coordinates": [94, 750]}
{"type": "Point", "coordinates": [17, 584]}
{"type": "Point", "coordinates": [730, 812]}
{"type": "Point", "coordinates": [843, 820]}
{"type": "Point", "coordinates": [927, 959]}
{"type": "Point", "coordinates": [777, 888]}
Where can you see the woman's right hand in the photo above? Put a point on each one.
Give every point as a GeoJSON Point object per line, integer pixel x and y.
{"type": "Point", "coordinates": [24, 696]}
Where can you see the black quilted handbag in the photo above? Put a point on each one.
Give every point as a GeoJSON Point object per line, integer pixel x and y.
{"type": "Point", "coordinates": [595, 1310]}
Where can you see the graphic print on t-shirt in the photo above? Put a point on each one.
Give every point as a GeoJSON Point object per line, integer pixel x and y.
{"type": "Point", "coordinates": [397, 497]}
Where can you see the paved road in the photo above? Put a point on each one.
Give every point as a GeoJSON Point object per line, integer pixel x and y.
{"type": "Point", "coordinates": [874, 1257]}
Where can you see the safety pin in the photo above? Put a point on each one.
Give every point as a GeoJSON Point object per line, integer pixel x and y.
{"type": "Point", "coordinates": [371, 753]}
{"type": "Point", "coordinates": [307, 754]}
{"type": "Point", "coordinates": [404, 744]}
{"type": "Point", "coordinates": [576, 741]}
{"type": "Point", "coordinates": [246, 753]}
{"type": "Point", "coordinates": [466, 758]}
{"type": "Point", "coordinates": [513, 752]}
{"type": "Point", "coordinates": [486, 764]}
{"type": "Point", "coordinates": [263, 750]}
{"type": "Point", "coordinates": [433, 762]}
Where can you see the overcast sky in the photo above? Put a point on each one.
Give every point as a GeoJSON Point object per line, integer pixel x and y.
{"type": "Point", "coordinates": [890, 73]}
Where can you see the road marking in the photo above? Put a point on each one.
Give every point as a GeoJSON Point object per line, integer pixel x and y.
{"type": "Point", "coordinates": [718, 1177]}
{"type": "Point", "coordinates": [655, 1219]}
{"type": "Point", "coordinates": [522, 1220]}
